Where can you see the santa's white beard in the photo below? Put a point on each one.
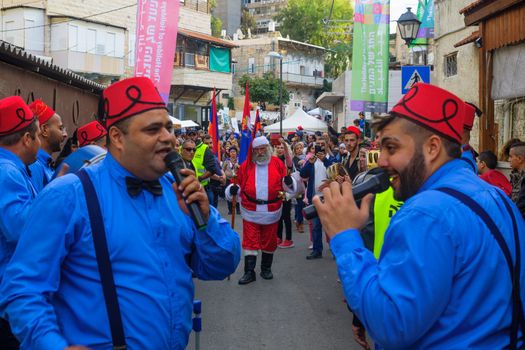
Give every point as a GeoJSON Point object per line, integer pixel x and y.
{"type": "Point", "coordinates": [262, 159]}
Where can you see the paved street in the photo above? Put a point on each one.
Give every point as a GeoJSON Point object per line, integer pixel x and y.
{"type": "Point", "coordinates": [301, 308]}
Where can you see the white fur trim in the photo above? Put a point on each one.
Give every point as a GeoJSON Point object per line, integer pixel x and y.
{"type": "Point", "coordinates": [260, 141]}
{"type": "Point", "coordinates": [261, 186]}
{"type": "Point", "coordinates": [251, 252]}
{"type": "Point", "coordinates": [261, 217]}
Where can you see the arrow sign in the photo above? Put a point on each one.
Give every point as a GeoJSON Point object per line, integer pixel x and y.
{"type": "Point", "coordinates": [413, 74]}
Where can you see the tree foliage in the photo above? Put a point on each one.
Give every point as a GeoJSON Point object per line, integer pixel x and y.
{"type": "Point", "coordinates": [264, 90]}
{"type": "Point", "coordinates": [216, 26]}
{"type": "Point", "coordinates": [247, 22]}
{"type": "Point", "coordinates": [305, 20]}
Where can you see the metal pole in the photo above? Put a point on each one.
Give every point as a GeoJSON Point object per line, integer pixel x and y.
{"type": "Point", "coordinates": [281, 96]}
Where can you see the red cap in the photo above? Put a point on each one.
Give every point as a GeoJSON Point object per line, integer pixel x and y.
{"type": "Point", "coordinates": [299, 127]}
{"type": "Point", "coordinates": [354, 130]}
{"type": "Point", "coordinates": [470, 115]}
{"type": "Point", "coordinates": [129, 97]}
{"type": "Point", "coordinates": [90, 132]}
{"type": "Point", "coordinates": [433, 108]}
{"type": "Point", "coordinates": [14, 115]}
{"type": "Point", "coordinates": [42, 111]}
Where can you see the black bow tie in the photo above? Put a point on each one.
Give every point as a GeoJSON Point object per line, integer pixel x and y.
{"type": "Point", "coordinates": [135, 186]}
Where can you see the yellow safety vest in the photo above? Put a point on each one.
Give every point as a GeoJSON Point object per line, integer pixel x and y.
{"type": "Point", "coordinates": [385, 206]}
{"type": "Point", "coordinates": [198, 162]}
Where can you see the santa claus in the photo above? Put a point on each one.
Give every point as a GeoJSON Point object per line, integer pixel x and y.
{"type": "Point", "coordinates": [263, 180]}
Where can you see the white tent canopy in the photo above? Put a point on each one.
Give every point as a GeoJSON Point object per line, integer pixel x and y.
{"type": "Point", "coordinates": [300, 117]}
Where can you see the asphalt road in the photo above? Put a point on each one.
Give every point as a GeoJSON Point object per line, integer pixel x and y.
{"type": "Point", "coordinates": [301, 308]}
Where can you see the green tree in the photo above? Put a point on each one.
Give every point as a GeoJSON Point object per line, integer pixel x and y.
{"type": "Point", "coordinates": [231, 104]}
{"type": "Point", "coordinates": [264, 90]}
{"type": "Point", "coordinates": [247, 22]}
{"type": "Point", "coordinates": [318, 23]}
{"type": "Point", "coordinates": [216, 26]}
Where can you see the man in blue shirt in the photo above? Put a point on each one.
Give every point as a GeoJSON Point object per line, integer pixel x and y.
{"type": "Point", "coordinates": [52, 134]}
{"type": "Point", "coordinates": [442, 280]}
{"type": "Point", "coordinates": [19, 143]}
{"type": "Point", "coordinates": [52, 293]}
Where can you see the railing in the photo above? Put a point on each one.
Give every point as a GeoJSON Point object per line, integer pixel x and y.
{"type": "Point", "coordinates": [192, 60]}
{"type": "Point", "coordinates": [303, 79]}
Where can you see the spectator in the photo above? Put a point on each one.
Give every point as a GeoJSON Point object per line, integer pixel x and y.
{"type": "Point", "coordinates": [487, 163]}
{"type": "Point", "coordinates": [350, 158]}
{"type": "Point", "coordinates": [517, 175]}
{"type": "Point", "coordinates": [230, 167]}
{"type": "Point", "coordinates": [283, 153]}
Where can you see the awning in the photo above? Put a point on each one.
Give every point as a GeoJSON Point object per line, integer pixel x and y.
{"type": "Point", "coordinates": [469, 39]}
{"type": "Point", "coordinates": [206, 38]}
{"type": "Point", "coordinates": [329, 98]}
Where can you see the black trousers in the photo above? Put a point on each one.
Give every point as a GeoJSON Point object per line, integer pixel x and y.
{"type": "Point", "coordinates": [7, 339]}
{"type": "Point", "coordinates": [286, 221]}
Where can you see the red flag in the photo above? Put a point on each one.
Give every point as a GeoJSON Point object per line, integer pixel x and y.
{"type": "Point", "coordinates": [213, 128]}
{"type": "Point", "coordinates": [246, 112]}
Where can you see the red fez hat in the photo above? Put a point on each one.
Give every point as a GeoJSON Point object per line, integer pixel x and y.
{"type": "Point", "coordinates": [90, 132]}
{"type": "Point", "coordinates": [355, 130]}
{"type": "Point", "coordinates": [129, 97]}
{"type": "Point", "coordinates": [299, 127]}
{"type": "Point", "coordinates": [42, 111]}
{"type": "Point", "coordinates": [471, 111]}
{"type": "Point", "coordinates": [14, 115]}
{"type": "Point", "coordinates": [433, 108]}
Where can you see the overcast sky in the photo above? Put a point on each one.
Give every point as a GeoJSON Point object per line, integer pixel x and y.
{"type": "Point", "coordinates": [397, 8]}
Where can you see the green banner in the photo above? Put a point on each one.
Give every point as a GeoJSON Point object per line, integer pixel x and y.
{"type": "Point", "coordinates": [370, 57]}
{"type": "Point", "coordinates": [219, 60]}
{"type": "Point", "coordinates": [425, 13]}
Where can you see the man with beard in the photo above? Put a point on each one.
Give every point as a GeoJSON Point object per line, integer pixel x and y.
{"type": "Point", "coordinates": [71, 283]}
{"type": "Point", "coordinates": [450, 269]}
{"type": "Point", "coordinates": [262, 178]}
{"type": "Point", "coordinates": [52, 134]}
{"type": "Point", "coordinates": [350, 156]}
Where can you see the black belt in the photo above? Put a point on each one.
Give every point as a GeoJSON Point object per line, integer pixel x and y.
{"type": "Point", "coordinates": [261, 201]}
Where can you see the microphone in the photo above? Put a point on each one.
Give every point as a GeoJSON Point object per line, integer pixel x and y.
{"type": "Point", "coordinates": [175, 164]}
{"type": "Point", "coordinates": [374, 181]}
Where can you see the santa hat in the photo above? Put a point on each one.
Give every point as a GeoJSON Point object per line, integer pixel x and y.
{"type": "Point", "coordinates": [90, 132]}
{"type": "Point", "coordinates": [299, 127]}
{"type": "Point", "coordinates": [260, 141]}
{"type": "Point", "coordinates": [129, 97]}
{"type": "Point", "coordinates": [433, 108]}
{"type": "Point", "coordinates": [42, 111]}
{"type": "Point", "coordinates": [471, 111]}
{"type": "Point", "coordinates": [354, 130]}
{"type": "Point", "coordinates": [14, 115]}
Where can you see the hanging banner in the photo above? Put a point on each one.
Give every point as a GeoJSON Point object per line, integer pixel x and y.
{"type": "Point", "coordinates": [157, 22]}
{"type": "Point", "coordinates": [425, 13]}
{"type": "Point", "coordinates": [370, 57]}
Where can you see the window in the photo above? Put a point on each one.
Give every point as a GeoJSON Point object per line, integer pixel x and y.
{"type": "Point", "coordinates": [73, 38]}
{"type": "Point", "coordinates": [91, 41]}
{"type": "Point", "coordinates": [302, 70]}
{"type": "Point", "coordinates": [451, 64]}
{"type": "Point", "coordinates": [110, 44]}
{"type": "Point", "coordinates": [251, 65]}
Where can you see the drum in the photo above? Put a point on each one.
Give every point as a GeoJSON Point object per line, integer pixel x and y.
{"type": "Point", "coordinates": [83, 157]}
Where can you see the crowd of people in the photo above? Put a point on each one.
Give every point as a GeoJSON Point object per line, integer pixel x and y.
{"type": "Point", "coordinates": [105, 257]}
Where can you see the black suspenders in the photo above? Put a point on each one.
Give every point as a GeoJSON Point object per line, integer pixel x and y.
{"type": "Point", "coordinates": [103, 262]}
{"type": "Point", "coordinates": [518, 318]}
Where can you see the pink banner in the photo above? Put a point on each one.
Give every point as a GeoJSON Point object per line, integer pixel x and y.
{"type": "Point", "coordinates": [157, 22]}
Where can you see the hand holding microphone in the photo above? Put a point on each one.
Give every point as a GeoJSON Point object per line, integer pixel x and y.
{"type": "Point", "coordinates": [192, 198]}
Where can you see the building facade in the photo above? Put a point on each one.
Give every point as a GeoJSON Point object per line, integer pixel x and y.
{"type": "Point", "coordinates": [263, 12]}
{"type": "Point", "coordinates": [229, 11]}
{"type": "Point", "coordinates": [96, 39]}
{"type": "Point", "coordinates": [303, 68]}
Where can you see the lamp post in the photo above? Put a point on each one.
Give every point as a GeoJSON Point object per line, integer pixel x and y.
{"type": "Point", "coordinates": [408, 27]}
{"type": "Point", "coordinates": [277, 55]}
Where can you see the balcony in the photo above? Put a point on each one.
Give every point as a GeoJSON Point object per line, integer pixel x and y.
{"type": "Point", "coordinates": [197, 5]}
{"type": "Point", "coordinates": [83, 62]}
{"type": "Point", "coordinates": [193, 70]}
{"type": "Point", "coordinates": [302, 80]}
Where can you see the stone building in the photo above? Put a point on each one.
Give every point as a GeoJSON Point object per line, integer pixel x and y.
{"type": "Point", "coordinates": [263, 12]}
{"type": "Point", "coordinates": [303, 67]}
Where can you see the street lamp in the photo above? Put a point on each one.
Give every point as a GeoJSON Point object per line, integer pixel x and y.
{"type": "Point", "coordinates": [408, 26]}
{"type": "Point", "coordinates": [277, 55]}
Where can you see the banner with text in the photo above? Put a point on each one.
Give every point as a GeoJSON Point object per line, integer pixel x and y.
{"type": "Point", "coordinates": [157, 22]}
{"type": "Point", "coordinates": [425, 13]}
{"type": "Point", "coordinates": [370, 56]}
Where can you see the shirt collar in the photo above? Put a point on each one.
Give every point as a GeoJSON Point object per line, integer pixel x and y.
{"type": "Point", "coordinates": [43, 157]}
{"type": "Point", "coordinates": [115, 169]}
{"type": "Point", "coordinates": [435, 179]}
{"type": "Point", "coordinates": [14, 158]}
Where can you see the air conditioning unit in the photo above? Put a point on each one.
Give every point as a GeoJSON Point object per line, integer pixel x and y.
{"type": "Point", "coordinates": [271, 26]}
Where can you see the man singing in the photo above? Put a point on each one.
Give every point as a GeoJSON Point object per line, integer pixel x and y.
{"type": "Point", "coordinates": [52, 293]}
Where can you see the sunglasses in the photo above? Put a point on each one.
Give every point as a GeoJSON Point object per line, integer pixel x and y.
{"type": "Point", "coordinates": [190, 149]}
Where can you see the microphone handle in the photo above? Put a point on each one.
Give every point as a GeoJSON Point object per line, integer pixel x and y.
{"type": "Point", "coordinates": [195, 210]}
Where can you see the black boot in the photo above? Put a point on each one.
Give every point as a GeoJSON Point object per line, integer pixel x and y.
{"type": "Point", "coordinates": [266, 266]}
{"type": "Point", "coordinates": [249, 269]}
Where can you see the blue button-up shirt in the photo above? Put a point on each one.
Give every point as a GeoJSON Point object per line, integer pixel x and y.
{"type": "Point", "coordinates": [441, 281]}
{"type": "Point", "coordinates": [52, 294]}
{"type": "Point", "coordinates": [16, 199]}
{"type": "Point", "coordinates": [41, 170]}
